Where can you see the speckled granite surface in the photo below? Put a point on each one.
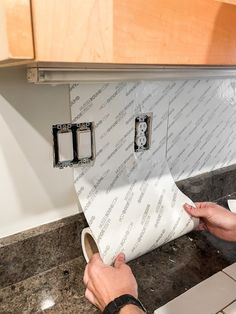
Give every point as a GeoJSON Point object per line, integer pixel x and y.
{"type": "Point", "coordinates": [39, 249]}
{"type": "Point", "coordinates": [61, 287]}
{"type": "Point", "coordinates": [41, 270]}
{"type": "Point", "coordinates": [162, 275]}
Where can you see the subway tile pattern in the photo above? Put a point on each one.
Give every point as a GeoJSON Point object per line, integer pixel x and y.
{"type": "Point", "coordinates": [230, 309]}
{"type": "Point", "coordinates": [231, 271]}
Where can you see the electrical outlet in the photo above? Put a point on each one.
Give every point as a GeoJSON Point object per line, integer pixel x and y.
{"type": "Point", "coordinates": [142, 127]}
{"type": "Point", "coordinates": [141, 140]}
{"type": "Point", "coordinates": [142, 137]}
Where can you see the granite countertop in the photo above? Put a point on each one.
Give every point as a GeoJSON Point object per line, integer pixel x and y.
{"type": "Point", "coordinates": [41, 270]}
{"type": "Point", "coordinates": [162, 275]}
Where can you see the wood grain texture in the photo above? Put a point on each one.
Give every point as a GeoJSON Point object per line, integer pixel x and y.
{"type": "Point", "coordinates": [3, 34]}
{"type": "Point", "coordinates": [174, 32]}
{"type": "Point", "coordinates": [228, 1]}
{"type": "Point", "coordinates": [73, 30]}
{"type": "Point", "coordinates": [15, 31]}
{"type": "Point", "coordinates": [198, 32]}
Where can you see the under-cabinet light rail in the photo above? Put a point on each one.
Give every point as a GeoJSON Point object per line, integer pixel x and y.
{"type": "Point", "coordinates": [47, 75]}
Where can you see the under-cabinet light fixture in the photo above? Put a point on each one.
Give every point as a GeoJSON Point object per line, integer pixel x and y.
{"type": "Point", "coordinates": [63, 75]}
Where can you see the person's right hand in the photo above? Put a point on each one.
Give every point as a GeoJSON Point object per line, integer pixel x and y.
{"type": "Point", "coordinates": [104, 283]}
{"type": "Point", "coordinates": [215, 219]}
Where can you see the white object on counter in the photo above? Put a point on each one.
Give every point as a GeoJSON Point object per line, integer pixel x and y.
{"type": "Point", "coordinates": [232, 205]}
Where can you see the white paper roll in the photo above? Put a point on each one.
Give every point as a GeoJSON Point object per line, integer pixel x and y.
{"type": "Point", "coordinates": [89, 245]}
{"type": "Point", "coordinates": [232, 205]}
{"type": "Point", "coordinates": [129, 199]}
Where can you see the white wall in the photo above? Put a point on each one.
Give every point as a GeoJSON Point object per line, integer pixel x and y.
{"type": "Point", "coordinates": [202, 137]}
{"type": "Point", "coordinates": [202, 126]}
{"type": "Point", "coordinates": [32, 192]}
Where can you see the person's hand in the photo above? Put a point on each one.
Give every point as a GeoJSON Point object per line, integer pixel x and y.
{"type": "Point", "coordinates": [105, 283]}
{"type": "Point", "coordinates": [215, 219]}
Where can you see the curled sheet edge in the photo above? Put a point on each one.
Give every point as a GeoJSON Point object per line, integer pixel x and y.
{"type": "Point", "coordinates": [232, 205]}
{"type": "Point", "coordinates": [130, 200]}
{"type": "Point", "coordinates": [89, 246]}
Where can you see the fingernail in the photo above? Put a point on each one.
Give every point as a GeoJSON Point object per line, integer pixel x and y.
{"type": "Point", "coordinates": [187, 205]}
{"type": "Point", "coordinates": [122, 256]}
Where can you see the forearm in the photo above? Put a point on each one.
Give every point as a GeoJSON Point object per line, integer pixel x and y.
{"type": "Point", "coordinates": [131, 309]}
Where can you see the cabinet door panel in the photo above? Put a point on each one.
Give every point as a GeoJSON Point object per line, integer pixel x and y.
{"type": "Point", "coordinates": [174, 32]}
{"type": "Point", "coordinates": [16, 43]}
{"type": "Point", "coordinates": [200, 32]}
{"type": "Point", "coordinates": [228, 1]}
{"type": "Point", "coordinates": [73, 30]}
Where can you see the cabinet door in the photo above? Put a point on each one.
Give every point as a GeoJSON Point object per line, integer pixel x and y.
{"type": "Point", "coordinates": [200, 32]}
{"type": "Point", "coordinates": [228, 1]}
{"type": "Point", "coordinates": [73, 30]}
{"type": "Point", "coordinates": [16, 42]}
{"type": "Point", "coordinates": [183, 32]}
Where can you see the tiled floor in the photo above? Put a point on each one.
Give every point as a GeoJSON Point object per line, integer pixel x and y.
{"type": "Point", "coordinates": [231, 309]}
{"type": "Point", "coordinates": [217, 294]}
{"type": "Point", "coordinates": [231, 271]}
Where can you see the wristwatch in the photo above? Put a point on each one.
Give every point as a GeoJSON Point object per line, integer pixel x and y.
{"type": "Point", "coordinates": [116, 305]}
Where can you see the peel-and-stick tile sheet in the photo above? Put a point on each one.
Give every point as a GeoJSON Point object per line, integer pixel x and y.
{"type": "Point", "coordinates": [130, 199]}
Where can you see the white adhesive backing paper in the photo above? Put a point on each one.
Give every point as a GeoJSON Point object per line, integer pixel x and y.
{"type": "Point", "coordinates": [130, 200]}
{"type": "Point", "coordinates": [232, 205]}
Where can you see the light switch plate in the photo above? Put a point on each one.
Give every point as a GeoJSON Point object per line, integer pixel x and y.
{"type": "Point", "coordinates": [78, 139]}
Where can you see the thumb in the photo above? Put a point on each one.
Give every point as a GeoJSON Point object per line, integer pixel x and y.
{"type": "Point", "coordinates": [197, 212]}
{"type": "Point", "coordinates": [120, 260]}
{"type": "Point", "coordinates": [96, 259]}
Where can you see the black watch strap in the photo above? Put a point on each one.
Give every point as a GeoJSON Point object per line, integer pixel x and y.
{"type": "Point", "coordinates": [116, 305]}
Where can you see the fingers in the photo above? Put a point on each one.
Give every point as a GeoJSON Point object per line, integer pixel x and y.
{"type": "Point", "coordinates": [198, 212]}
{"type": "Point", "coordinates": [204, 204]}
{"type": "Point", "coordinates": [90, 296]}
{"type": "Point", "coordinates": [95, 262]}
{"type": "Point", "coordinates": [120, 260]}
{"type": "Point", "coordinates": [201, 227]}
{"type": "Point", "coordinates": [96, 259]}
{"type": "Point", "coordinates": [86, 276]}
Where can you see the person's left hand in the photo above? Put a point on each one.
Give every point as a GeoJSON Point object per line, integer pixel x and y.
{"type": "Point", "coordinates": [105, 283]}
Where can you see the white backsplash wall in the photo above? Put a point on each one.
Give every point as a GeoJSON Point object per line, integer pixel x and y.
{"type": "Point", "coordinates": [202, 117]}
{"type": "Point", "coordinates": [32, 192]}
{"type": "Point", "coordinates": [202, 127]}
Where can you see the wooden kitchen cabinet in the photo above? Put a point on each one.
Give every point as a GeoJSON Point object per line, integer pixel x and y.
{"type": "Point", "coordinates": [73, 30]}
{"type": "Point", "coordinates": [16, 38]}
{"type": "Point", "coordinates": [183, 32]}
{"type": "Point", "coordinates": [174, 32]}
{"type": "Point", "coordinates": [228, 1]}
